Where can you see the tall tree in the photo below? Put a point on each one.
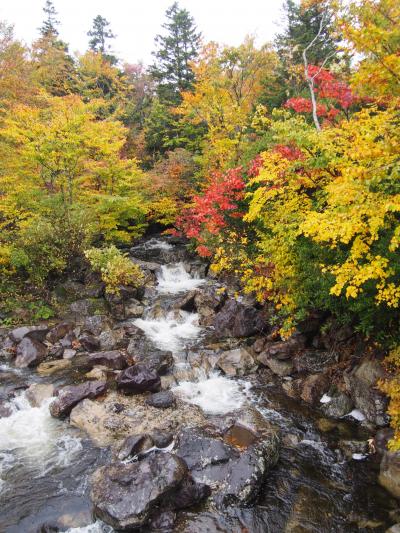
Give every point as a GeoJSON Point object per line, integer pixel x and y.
{"type": "Point", "coordinates": [50, 23]}
{"type": "Point", "coordinates": [176, 49]}
{"type": "Point", "coordinates": [99, 35]}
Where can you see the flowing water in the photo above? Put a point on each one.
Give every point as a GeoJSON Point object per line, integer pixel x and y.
{"type": "Point", "coordinates": [45, 464]}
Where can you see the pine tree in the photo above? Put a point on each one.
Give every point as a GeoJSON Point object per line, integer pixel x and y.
{"type": "Point", "coordinates": [176, 49]}
{"type": "Point", "coordinates": [100, 34]}
{"type": "Point", "coordinates": [49, 26]}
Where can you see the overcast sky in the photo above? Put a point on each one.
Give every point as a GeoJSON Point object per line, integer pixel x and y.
{"type": "Point", "coordinates": [136, 22]}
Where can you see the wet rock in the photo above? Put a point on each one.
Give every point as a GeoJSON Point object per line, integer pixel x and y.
{"type": "Point", "coordinates": [137, 379]}
{"type": "Point", "coordinates": [6, 409]}
{"type": "Point", "coordinates": [340, 405]}
{"type": "Point", "coordinates": [234, 476]}
{"type": "Point", "coordinates": [89, 343]}
{"type": "Point", "coordinates": [187, 302]}
{"type": "Point", "coordinates": [206, 360]}
{"type": "Point", "coordinates": [161, 400]}
{"type": "Point", "coordinates": [116, 416]}
{"type": "Point", "coordinates": [361, 386]}
{"type": "Point", "coordinates": [292, 388]}
{"type": "Point", "coordinates": [394, 529]}
{"type": "Point", "coordinates": [59, 331]}
{"type": "Point", "coordinates": [313, 387]}
{"type": "Point", "coordinates": [68, 397]}
{"type": "Point", "coordinates": [278, 367]}
{"type": "Point", "coordinates": [126, 495]}
{"type": "Point", "coordinates": [154, 359]}
{"type": "Point", "coordinates": [133, 445]}
{"type": "Point", "coordinates": [234, 319]}
{"type": "Point", "coordinates": [30, 352]}
{"type": "Point", "coordinates": [239, 362]}
{"type": "Point", "coordinates": [94, 325]}
{"type": "Point", "coordinates": [162, 440]}
{"type": "Point", "coordinates": [163, 523]}
{"type": "Point", "coordinates": [240, 436]}
{"type": "Point", "coordinates": [189, 493]}
{"type": "Point", "coordinates": [51, 367]}
{"type": "Point", "coordinates": [69, 341]}
{"type": "Point", "coordinates": [55, 351]}
{"type": "Point", "coordinates": [389, 476]}
{"type": "Point", "coordinates": [33, 332]}
{"type": "Point", "coordinates": [37, 393]}
{"type": "Point", "coordinates": [113, 359]}
{"type": "Point", "coordinates": [231, 520]}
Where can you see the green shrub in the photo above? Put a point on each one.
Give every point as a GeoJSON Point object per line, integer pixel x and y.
{"type": "Point", "coordinates": [116, 268]}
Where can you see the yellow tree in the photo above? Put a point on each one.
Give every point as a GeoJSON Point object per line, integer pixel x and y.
{"type": "Point", "coordinates": [372, 28]}
{"type": "Point", "coordinates": [228, 83]}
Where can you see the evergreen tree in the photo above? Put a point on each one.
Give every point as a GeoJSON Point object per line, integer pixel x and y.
{"type": "Point", "coordinates": [49, 26]}
{"type": "Point", "coordinates": [176, 49]}
{"type": "Point", "coordinates": [99, 35]}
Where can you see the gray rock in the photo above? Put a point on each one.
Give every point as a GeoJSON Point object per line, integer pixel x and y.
{"type": "Point", "coordinates": [237, 320]}
{"type": "Point", "coordinates": [30, 352]}
{"type": "Point", "coordinates": [133, 309]}
{"type": "Point", "coordinates": [361, 386]}
{"type": "Point", "coordinates": [89, 343]}
{"type": "Point", "coordinates": [278, 367]}
{"type": "Point", "coordinates": [34, 332]}
{"type": "Point", "coordinates": [137, 379]}
{"type": "Point", "coordinates": [37, 393]}
{"type": "Point", "coordinates": [111, 339]}
{"type": "Point", "coordinates": [158, 360]}
{"type": "Point", "coordinates": [313, 387]}
{"type": "Point", "coordinates": [239, 362]}
{"type": "Point", "coordinates": [314, 361]}
{"type": "Point", "coordinates": [339, 406]}
{"type": "Point", "coordinates": [126, 495]}
{"type": "Point", "coordinates": [161, 400]}
{"type": "Point", "coordinates": [59, 331]}
{"type": "Point", "coordinates": [95, 324]}
{"type": "Point", "coordinates": [113, 359]}
{"type": "Point", "coordinates": [68, 397]}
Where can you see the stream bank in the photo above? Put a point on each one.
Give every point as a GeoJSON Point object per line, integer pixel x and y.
{"type": "Point", "coordinates": [176, 407]}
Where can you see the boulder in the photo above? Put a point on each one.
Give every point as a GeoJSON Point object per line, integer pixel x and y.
{"type": "Point", "coordinates": [277, 366]}
{"type": "Point", "coordinates": [161, 400]}
{"type": "Point", "coordinates": [153, 358]}
{"type": "Point", "coordinates": [51, 367]}
{"type": "Point", "coordinates": [313, 361]}
{"type": "Point", "coordinates": [94, 325]}
{"type": "Point", "coordinates": [59, 331]}
{"type": "Point", "coordinates": [237, 320]}
{"type": "Point", "coordinates": [126, 496]}
{"type": "Point", "coordinates": [34, 332]}
{"type": "Point", "coordinates": [137, 379]}
{"type": "Point", "coordinates": [89, 343]}
{"type": "Point", "coordinates": [389, 476]}
{"type": "Point", "coordinates": [111, 339]}
{"type": "Point", "coordinates": [235, 477]}
{"type": "Point", "coordinates": [113, 359]}
{"type": "Point", "coordinates": [133, 309]}
{"type": "Point", "coordinates": [30, 352]}
{"type": "Point", "coordinates": [283, 350]}
{"type": "Point", "coordinates": [340, 405]}
{"type": "Point", "coordinates": [361, 385]}
{"type": "Point", "coordinates": [37, 393]}
{"type": "Point", "coordinates": [313, 387]}
{"type": "Point", "coordinates": [68, 397]}
{"type": "Point", "coordinates": [239, 362]}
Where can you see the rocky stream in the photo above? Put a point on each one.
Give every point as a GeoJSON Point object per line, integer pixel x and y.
{"type": "Point", "coordinates": [177, 408]}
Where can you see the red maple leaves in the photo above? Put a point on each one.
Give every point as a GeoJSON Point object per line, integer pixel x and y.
{"type": "Point", "coordinates": [336, 94]}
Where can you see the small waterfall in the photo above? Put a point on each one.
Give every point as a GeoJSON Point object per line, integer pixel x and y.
{"type": "Point", "coordinates": [174, 279]}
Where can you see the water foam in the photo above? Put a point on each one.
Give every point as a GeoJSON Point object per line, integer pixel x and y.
{"type": "Point", "coordinates": [216, 395]}
{"type": "Point", "coordinates": [32, 436]}
{"type": "Point", "coordinates": [174, 279]}
{"type": "Point", "coordinates": [170, 333]}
